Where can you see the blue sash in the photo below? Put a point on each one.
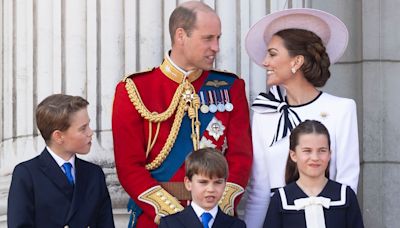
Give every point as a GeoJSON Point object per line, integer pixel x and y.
{"type": "Point", "coordinates": [183, 144]}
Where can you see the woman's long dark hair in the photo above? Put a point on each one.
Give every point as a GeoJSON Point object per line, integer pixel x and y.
{"type": "Point", "coordinates": [306, 127]}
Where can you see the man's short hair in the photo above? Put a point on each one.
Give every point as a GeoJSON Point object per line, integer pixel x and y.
{"type": "Point", "coordinates": [207, 161]}
{"type": "Point", "coordinates": [55, 111]}
{"type": "Point", "coordinates": [184, 16]}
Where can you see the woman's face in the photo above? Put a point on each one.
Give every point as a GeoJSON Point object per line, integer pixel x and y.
{"type": "Point", "coordinates": [278, 62]}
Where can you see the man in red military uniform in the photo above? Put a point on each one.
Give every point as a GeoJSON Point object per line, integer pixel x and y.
{"type": "Point", "coordinates": [161, 115]}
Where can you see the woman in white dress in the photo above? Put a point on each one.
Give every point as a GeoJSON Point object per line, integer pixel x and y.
{"type": "Point", "coordinates": [296, 47]}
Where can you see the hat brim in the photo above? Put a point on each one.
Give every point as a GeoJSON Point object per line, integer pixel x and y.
{"type": "Point", "coordinates": [328, 27]}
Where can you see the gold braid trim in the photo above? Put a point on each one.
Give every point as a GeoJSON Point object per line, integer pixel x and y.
{"type": "Point", "coordinates": [170, 140]}
{"type": "Point", "coordinates": [136, 100]}
{"type": "Point", "coordinates": [150, 143]}
{"type": "Point", "coordinates": [163, 202]}
{"type": "Point", "coordinates": [190, 101]}
{"type": "Point", "coordinates": [227, 201]}
{"type": "Point", "coordinates": [193, 113]}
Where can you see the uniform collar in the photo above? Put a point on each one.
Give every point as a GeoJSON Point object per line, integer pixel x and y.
{"type": "Point", "coordinates": [177, 74]}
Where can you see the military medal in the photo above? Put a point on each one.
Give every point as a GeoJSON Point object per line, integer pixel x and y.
{"type": "Point", "coordinates": [220, 105]}
{"type": "Point", "coordinates": [215, 128]}
{"type": "Point", "coordinates": [213, 108]}
{"type": "Point", "coordinates": [228, 104]}
{"type": "Point", "coordinates": [203, 108]}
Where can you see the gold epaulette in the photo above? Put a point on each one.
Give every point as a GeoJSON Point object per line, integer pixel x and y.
{"type": "Point", "coordinates": [226, 72]}
{"type": "Point", "coordinates": [227, 202]}
{"type": "Point", "coordinates": [163, 202]}
{"type": "Point", "coordinates": [137, 73]}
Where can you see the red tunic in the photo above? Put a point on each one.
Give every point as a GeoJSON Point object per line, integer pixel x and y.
{"type": "Point", "coordinates": [130, 133]}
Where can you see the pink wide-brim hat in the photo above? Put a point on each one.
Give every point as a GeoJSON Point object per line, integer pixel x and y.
{"type": "Point", "coordinates": [329, 28]}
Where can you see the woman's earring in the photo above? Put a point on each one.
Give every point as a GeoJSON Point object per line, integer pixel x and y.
{"type": "Point", "coordinates": [293, 70]}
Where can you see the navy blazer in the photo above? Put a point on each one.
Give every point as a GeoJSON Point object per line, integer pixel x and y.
{"type": "Point", "coordinates": [40, 195]}
{"type": "Point", "coordinates": [188, 219]}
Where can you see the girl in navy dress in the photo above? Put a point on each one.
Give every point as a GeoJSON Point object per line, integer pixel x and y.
{"type": "Point", "coordinates": [310, 199]}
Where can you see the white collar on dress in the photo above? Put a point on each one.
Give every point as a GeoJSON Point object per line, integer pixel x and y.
{"type": "Point", "coordinates": [340, 202]}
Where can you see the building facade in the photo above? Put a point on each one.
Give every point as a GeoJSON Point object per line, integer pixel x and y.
{"type": "Point", "coordinates": [85, 47]}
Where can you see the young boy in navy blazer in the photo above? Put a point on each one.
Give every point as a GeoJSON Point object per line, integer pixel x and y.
{"type": "Point", "coordinates": [205, 178]}
{"type": "Point", "coordinates": [56, 188]}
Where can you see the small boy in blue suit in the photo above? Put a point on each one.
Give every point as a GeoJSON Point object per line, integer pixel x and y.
{"type": "Point", "coordinates": [56, 188]}
{"type": "Point", "coordinates": [205, 178]}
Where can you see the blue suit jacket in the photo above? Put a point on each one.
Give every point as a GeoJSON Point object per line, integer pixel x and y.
{"type": "Point", "coordinates": [188, 219]}
{"type": "Point", "coordinates": [40, 195]}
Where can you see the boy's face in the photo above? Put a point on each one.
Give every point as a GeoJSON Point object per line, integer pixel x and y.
{"type": "Point", "coordinates": [77, 138]}
{"type": "Point", "coordinates": [206, 192]}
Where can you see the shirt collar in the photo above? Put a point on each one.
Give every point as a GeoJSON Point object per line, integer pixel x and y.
{"type": "Point", "coordinates": [59, 160]}
{"type": "Point", "coordinates": [199, 211]}
{"type": "Point", "coordinates": [177, 74]}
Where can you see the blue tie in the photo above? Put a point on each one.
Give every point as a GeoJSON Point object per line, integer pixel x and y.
{"type": "Point", "coordinates": [205, 219]}
{"type": "Point", "coordinates": [67, 167]}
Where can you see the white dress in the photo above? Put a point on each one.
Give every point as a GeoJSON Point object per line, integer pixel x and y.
{"type": "Point", "coordinates": [269, 162]}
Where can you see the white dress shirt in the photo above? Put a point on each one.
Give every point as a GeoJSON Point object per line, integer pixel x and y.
{"type": "Point", "coordinates": [61, 161]}
{"type": "Point", "coordinates": [199, 211]}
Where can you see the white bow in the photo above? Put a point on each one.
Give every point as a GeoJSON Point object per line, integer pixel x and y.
{"type": "Point", "coordinates": [313, 210]}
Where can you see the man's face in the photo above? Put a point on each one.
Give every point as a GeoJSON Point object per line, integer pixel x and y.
{"type": "Point", "coordinates": [202, 45]}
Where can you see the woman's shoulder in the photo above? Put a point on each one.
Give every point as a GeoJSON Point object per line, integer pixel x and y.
{"type": "Point", "coordinates": [337, 100]}
{"type": "Point", "coordinates": [340, 105]}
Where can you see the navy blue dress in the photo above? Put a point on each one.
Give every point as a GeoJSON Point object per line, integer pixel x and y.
{"type": "Point", "coordinates": [344, 210]}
